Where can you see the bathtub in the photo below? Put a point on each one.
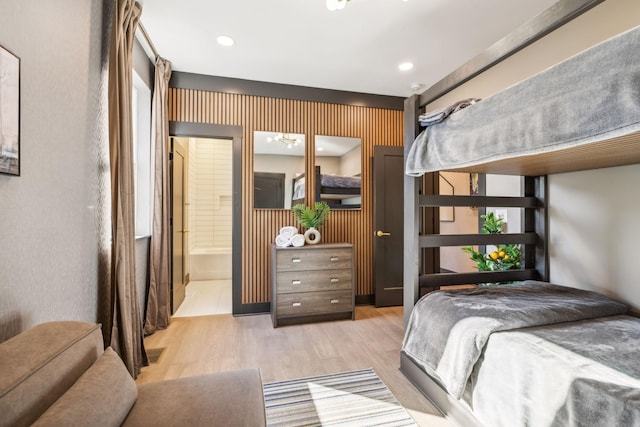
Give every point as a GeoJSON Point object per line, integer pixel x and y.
{"type": "Point", "coordinates": [210, 264]}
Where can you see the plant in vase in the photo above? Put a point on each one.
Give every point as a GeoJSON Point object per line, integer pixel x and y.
{"type": "Point", "coordinates": [311, 218]}
{"type": "Point", "coordinates": [504, 257]}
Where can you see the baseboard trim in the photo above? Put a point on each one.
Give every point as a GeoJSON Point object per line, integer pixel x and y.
{"type": "Point", "coordinates": [367, 299]}
{"type": "Point", "coordinates": [253, 308]}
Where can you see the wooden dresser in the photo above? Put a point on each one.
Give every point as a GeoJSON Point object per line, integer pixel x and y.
{"type": "Point", "coordinates": [313, 282]}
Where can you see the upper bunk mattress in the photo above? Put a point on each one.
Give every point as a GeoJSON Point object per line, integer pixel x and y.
{"type": "Point", "coordinates": [337, 181]}
{"type": "Point", "coordinates": [590, 97]}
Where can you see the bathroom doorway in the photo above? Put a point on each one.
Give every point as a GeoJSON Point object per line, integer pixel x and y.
{"type": "Point", "coordinates": [212, 237]}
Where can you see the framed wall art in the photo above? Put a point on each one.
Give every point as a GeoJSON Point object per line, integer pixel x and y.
{"type": "Point", "coordinates": [9, 113]}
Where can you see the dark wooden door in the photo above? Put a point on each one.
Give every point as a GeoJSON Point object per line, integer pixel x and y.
{"type": "Point", "coordinates": [388, 211]}
{"type": "Point", "coordinates": [268, 190]}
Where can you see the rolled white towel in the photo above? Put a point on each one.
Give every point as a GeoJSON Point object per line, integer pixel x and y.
{"type": "Point", "coordinates": [282, 241]}
{"type": "Point", "coordinates": [297, 240]}
{"type": "Point", "coordinates": [288, 231]}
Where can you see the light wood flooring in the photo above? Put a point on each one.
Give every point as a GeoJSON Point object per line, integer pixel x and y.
{"type": "Point", "coordinates": [206, 297]}
{"type": "Point", "coordinates": [206, 344]}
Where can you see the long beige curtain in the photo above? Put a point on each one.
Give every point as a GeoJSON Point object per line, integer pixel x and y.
{"type": "Point", "coordinates": [159, 300]}
{"type": "Point", "coordinates": [126, 331]}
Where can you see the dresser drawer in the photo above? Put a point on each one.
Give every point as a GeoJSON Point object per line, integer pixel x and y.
{"type": "Point", "coordinates": [310, 303]}
{"type": "Point", "coordinates": [316, 259]}
{"type": "Point", "coordinates": [308, 281]}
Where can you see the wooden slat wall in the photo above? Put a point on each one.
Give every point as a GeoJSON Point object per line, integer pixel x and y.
{"type": "Point", "coordinates": [374, 126]}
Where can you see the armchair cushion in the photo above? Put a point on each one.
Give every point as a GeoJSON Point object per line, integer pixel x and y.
{"type": "Point", "coordinates": [103, 396]}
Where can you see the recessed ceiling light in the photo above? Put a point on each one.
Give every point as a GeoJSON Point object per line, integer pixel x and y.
{"type": "Point", "coordinates": [336, 4]}
{"type": "Point", "coordinates": [405, 66]}
{"type": "Point", "coordinates": [225, 41]}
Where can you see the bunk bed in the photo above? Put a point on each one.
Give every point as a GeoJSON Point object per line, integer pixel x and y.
{"type": "Point", "coordinates": [333, 189]}
{"type": "Point", "coordinates": [509, 355]}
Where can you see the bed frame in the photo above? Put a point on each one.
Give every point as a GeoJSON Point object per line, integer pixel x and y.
{"type": "Point", "coordinates": [333, 196]}
{"type": "Point", "coordinates": [421, 203]}
{"type": "Point", "coordinates": [422, 272]}
{"type": "Point", "coordinates": [422, 239]}
{"type": "Point", "coordinates": [455, 411]}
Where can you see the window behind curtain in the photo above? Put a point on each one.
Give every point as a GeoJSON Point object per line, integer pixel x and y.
{"type": "Point", "coordinates": [141, 103]}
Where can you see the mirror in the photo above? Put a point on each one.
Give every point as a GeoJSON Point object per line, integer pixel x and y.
{"type": "Point", "coordinates": [338, 168]}
{"type": "Point", "coordinates": [278, 160]}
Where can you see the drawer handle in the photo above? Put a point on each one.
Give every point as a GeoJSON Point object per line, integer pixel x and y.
{"type": "Point", "coordinates": [334, 280]}
{"type": "Point", "coordinates": [334, 259]}
{"type": "Point", "coordinates": [296, 282]}
{"type": "Point", "coordinates": [296, 304]}
{"type": "Point", "coordinates": [295, 259]}
{"type": "Point", "coordinates": [335, 301]}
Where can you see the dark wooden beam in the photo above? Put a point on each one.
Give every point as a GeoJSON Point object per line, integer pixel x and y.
{"type": "Point", "coordinates": [437, 240]}
{"type": "Point", "coordinates": [507, 202]}
{"type": "Point", "coordinates": [411, 259]}
{"type": "Point", "coordinates": [444, 279]}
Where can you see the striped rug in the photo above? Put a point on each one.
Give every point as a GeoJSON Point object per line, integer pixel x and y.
{"type": "Point", "coordinates": [355, 398]}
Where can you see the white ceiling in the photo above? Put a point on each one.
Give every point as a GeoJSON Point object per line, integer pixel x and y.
{"type": "Point", "coordinates": [358, 49]}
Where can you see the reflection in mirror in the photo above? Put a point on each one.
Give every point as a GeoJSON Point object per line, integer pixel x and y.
{"type": "Point", "coordinates": [278, 159]}
{"type": "Point", "coordinates": [338, 162]}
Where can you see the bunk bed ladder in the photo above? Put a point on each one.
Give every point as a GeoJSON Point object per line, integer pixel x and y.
{"type": "Point", "coordinates": [421, 261]}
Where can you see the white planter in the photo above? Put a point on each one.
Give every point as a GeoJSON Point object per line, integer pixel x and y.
{"type": "Point", "coordinates": [312, 236]}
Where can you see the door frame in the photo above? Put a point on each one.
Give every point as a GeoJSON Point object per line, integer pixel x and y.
{"type": "Point", "coordinates": [234, 133]}
{"type": "Point", "coordinates": [173, 148]}
{"type": "Point", "coordinates": [379, 151]}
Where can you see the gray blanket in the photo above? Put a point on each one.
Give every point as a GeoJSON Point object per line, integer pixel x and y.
{"type": "Point", "coordinates": [584, 373]}
{"type": "Point", "coordinates": [448, 330]}
{"type": "Point", "coordinates": [431, 118]}
{"type": "Point", "coordinates": [337, 181]}
{"type": "Point", "coordinates": [612, 343]}
{"type": "Point", "coordinates": [590, 97]}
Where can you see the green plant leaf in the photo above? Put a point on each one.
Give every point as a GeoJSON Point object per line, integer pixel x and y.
{"type": "Point", "coordinates": [507, 257]}
{"type": "Point", "coordinates": [309, 217]}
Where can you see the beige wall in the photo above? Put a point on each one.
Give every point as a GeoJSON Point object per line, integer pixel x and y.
{"type": "Point", "coordinates": [351, 162]}
{"type": "Point", "coordinates": [600, 23]}
{"type": "Point", "coordinates": [594, 215]}
{"type": "Point", "coordinates": [465, 222]}
{"type": "Point", "coordinates": [50, 216]}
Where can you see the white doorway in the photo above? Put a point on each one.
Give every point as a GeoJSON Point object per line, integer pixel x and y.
{"type": "Point", "coordinates": [209, 214]}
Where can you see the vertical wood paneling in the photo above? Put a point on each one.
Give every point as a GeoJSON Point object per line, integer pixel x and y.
{"type": "Point", "coordinates": [373, 126]}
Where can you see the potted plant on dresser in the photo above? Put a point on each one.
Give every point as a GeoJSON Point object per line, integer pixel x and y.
{"type": "Point", "coordinates": [312, 218]}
